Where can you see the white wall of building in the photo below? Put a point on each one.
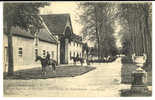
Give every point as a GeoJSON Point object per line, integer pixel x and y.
{"type": "Point", "coordinates": [27, 59]}
{"type": "Point", "coordinates": [5, 59]}
{"type": "Point", "coordinates": [48, 47]}
{"type": "Point", "coordinates": [73, 49]}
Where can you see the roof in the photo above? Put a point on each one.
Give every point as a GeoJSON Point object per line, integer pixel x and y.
{"type": "Point", "coordinates": [43, 34]}
{"type": "Point", "coordinates": [56, 22]}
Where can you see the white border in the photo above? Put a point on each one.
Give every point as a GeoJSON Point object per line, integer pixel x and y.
{"type": "Point", "coordinates": [1, 50]}
{"type": "Point", "coordinates": [111, 98]}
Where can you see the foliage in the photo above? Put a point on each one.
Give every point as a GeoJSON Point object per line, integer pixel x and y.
{"type": "Point", "coordinates": [93, 51]}
{"type": "Point", "coordinates": [138, 18]}
{"type": "Point", "coordinates": [109, 48]}
{"type": "Point", "coordinates": [23, 15]}
{"type": "Point", "coordinates": [97, 20]}
{"type": "Point", "coordinates": [126, 47]}
{"type": "Point", "coordinates": [126, 59]}
{"type": "Point", "coordinates": [85, 48]}
{"type": "Point", "coordinates": [138, 24]}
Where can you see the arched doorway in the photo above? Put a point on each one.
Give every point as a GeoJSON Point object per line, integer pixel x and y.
{"type": "Point", "coordinates": [64, 41]}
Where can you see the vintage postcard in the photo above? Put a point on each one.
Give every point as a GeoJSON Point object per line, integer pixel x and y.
{"type": "Point", "coordinates": [77, 49]}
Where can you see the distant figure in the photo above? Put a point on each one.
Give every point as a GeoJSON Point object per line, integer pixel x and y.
{"type": "Point", "coordinates": [48, 58]}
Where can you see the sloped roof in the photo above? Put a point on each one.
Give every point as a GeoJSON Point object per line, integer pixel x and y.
{"type": "Point", "coordinates": [56, 22]}
{"type": "Point", "coordinates": [43, 34]}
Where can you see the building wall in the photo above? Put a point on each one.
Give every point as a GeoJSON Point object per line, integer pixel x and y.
{"type": "Point", "coordinates": [74, 48]}
{"type": "Point", "coordinates": [27, 59]}
{"type": "Point", "coordinates": [66, 51]}
{"type": "Point", "coordinates": [5, 54]}
{"type": "Point", "coordinates": [48, 47]}
{"type": "Point", "coordinates": [58, 49]}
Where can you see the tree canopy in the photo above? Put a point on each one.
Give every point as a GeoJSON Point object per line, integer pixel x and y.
{"type": "Point", "coordinates": [23, 15]}
{"type": "Point", "coordinates": [97, 20]}
{"type": "Point", "coordinates": [137, 25]}
{"type": "Point", "coordinates": [137, 17]}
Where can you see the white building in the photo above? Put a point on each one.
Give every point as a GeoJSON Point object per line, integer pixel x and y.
{"type": "Point", "coordinates": [69, 44]}
{"type": "Point", "coordinates": [57, 37]}
{"type": "Point", "coordinates": [24, 49]}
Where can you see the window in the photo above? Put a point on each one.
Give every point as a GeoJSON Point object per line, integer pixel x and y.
{"type": "Point", "coordinates": [20, 51]}
{"type": "Point", "coordinates": [36, 52]}
{"type": "Point", "coordinates": [44, 53]}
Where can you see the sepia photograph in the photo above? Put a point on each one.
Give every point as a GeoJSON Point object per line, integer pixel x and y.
{"type": "Point", "coordinates": [77, 49]}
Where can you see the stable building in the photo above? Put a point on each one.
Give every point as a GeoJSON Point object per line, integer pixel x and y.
{"type": "Point", "coordinates": [56, 37]}
{"type": "Point", "coordinates": [25, 48]}
{"type": "Point", "coordinates": [69, 44]}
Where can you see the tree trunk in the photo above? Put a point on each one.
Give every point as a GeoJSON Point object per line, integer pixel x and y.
{"type": "Point", "coordinates": [10, 55]}
{"type": "Point", "coordinates": [98, 47]}
{"type": "Point", "coordinates": [148, 44]}
{"type": "Point", "coordinates": [97, 31]}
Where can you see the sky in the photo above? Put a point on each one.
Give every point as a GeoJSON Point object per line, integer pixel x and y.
{"type": "Point", "coordinates": [118, 37]}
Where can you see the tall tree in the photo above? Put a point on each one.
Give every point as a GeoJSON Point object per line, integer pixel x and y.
{"type": "Point", "coordinates": [138, 17]}
{"type": "Point", "coordinates": [85, 48]}
{"type": "Point", "coordinates": [97, 19]}
{"type": "Point", "coordinates": [108, 47]}
{"type": "Point", "coordinates": [23, 15]}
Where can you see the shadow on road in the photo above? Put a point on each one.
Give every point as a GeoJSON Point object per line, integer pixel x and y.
{"type": "Point", "coordinates": [63, 71]}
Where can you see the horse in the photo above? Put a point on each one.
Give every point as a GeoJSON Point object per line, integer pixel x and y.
{"type": "Point", "coordinates": [76, 59]}
{"type": "Point", "coordinates": [44, 64]}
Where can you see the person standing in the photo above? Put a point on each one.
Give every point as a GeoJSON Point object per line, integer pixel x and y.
{"type": "Point", "coordinates": [48, 58]}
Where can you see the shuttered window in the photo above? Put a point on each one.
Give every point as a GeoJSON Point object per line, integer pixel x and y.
{"type": "Point", "coordinates": [44, 53]}
{"type": "Point", "coordinates": [20, 52]}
